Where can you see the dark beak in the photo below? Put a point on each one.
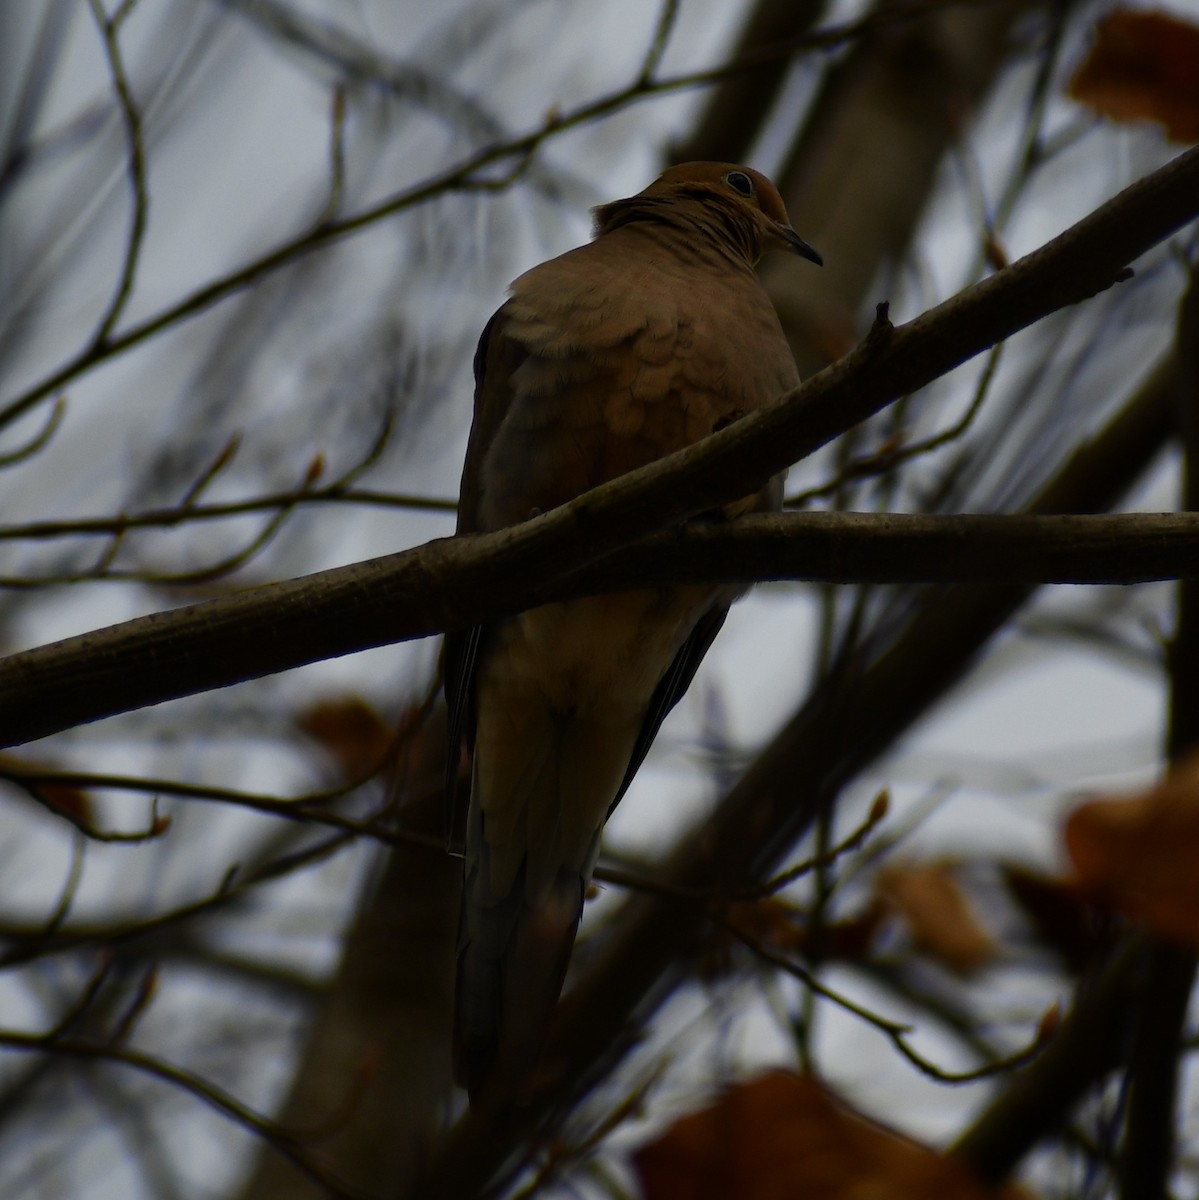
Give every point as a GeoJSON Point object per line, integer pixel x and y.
{"type": "Point", "coordinates": [799, 245]}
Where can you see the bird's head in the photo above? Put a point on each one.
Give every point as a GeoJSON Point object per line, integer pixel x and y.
{"type": "Point", "coordinates": [732, 188]}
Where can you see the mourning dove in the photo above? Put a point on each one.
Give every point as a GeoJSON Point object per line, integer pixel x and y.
{"type": "Point", "coordinates": [649, 338]}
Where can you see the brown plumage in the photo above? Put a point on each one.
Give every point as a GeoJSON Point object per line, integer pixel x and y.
{"type": "Point", "coordinates": [604, 359]}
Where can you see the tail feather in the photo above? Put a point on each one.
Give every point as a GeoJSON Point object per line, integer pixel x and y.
{"type": "Point", "coordinates": [539, 797]}
{"type": "Point", "coordinates": [512, 960]}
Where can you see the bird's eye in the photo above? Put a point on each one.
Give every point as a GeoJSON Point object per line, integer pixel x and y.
{"type": "Point", "coordinates": [740, 183]}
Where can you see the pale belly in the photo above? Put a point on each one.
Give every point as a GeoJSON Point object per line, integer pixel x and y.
{"type": "Point", "coordinates": [596, 653]}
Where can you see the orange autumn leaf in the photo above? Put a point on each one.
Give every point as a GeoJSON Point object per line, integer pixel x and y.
{"type": "Point", "coordinates": [937, 911]}
{"type": "Point", "coordinates": [1138, 853]}
{"type": "Point", "coordinates": [1144, 66]}
{"type": "Point", "coordinates": [784, 1135]}
{"type": "Point", "coordinates": [351, 732]}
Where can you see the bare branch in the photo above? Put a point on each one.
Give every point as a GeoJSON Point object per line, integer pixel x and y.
{"type": "Point", "coordinates": [667, 19]}
{"type": "Point", "coordinates": [891, 456]}
{"type": "Point", "coordinates": [309, 809]}
{"type": "Point", "coordinates": [466, 176]}
{"type": "Point", "coordinates": [188, 511]}
{"type": "Point", "coordinates": [452, 583]}
{"type": "Point", "coordinates": [896, 1032]}
{"type": "Point", "coordinates": [215, 1097]}
{"type": "Point", "coordinates": [32, 942]}
{"type": "Point", "coordinates": [1087, 1045]}
{"type": "Point", "coordinates": [185, 513]}
{"type": "Point", "coordinates": [40, 440]}
{"type": "Point", "coordinates": [110, 31]}
{"type": "Point", "coordinates": [199, 485]}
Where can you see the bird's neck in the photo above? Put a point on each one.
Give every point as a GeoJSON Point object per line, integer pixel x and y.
{"type": "Point", "coordinates": [707, 227]}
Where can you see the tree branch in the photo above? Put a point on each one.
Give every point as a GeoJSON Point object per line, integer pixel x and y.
{"type": "Point", "coordinates": [208, 1093]}
{"type": "Point", "coordinates": [1086, 1047]}
{"type": "Point", "coordinates": [421, 592]}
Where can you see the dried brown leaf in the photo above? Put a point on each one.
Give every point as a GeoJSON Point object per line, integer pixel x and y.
{"type": "Point", "coordinates": [351, 732]}
{"type": "Point", "coordinates": [1138, 853]}
{"type": "Point", "coordinates": [784, 1135]}
{"type": "Point", "coordinates": [1143, 66]}
{"type": "Point", "coordinates": [939, 914]}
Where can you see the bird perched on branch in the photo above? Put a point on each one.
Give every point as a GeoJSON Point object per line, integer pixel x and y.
{"type": "Point", "coordinates": [649, 338]}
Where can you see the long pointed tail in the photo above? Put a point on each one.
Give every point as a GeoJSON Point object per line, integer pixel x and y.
{"type": "Point", "coordinates": [542, 783]}
{"type": "Point", "coordinates": [512, 960]}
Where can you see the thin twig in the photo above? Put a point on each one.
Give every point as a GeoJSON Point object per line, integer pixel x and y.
{"type": "Point", "coordinates": [890, 457]}
{"type": "Point", "coordinates": [337, 155]}
{"type": "Point", "coordinates": [70, 887]}
{"type": "Point", "coordinates": [620, 877]}
{"type": "Point", "coordinates": [877, 814]}
{"type": "Point", "coordinates": [195, 1085]}
{"type": "Point", "coordinates": [896, 1032]}
{"type": "Point", "coordinates": [109, 29]}
{"type": "Point", "coordinates": [187, 510]}
{"type": "Point", "coordinates": [307, 809]}
{"type": "Point", "coordinates": [31, 944]}
{"type": "Point", "coordinates": [35, 784]}
{"type": "Point", "coordinates": [40, 439]}
{"type": "Point", "coordinates": [200, 484]}
{"type": "Point", "coordinates": [465, 176]}
{"type": "Point", "coordinates": [186, 514]}
{"type": "Point", "coordinates": [667, 19]}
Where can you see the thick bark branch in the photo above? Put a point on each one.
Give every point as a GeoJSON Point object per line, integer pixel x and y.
{"type": "Point", "coordinates": [225, 641]}
{"type": "Point", "coordinates": [851, 547]}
